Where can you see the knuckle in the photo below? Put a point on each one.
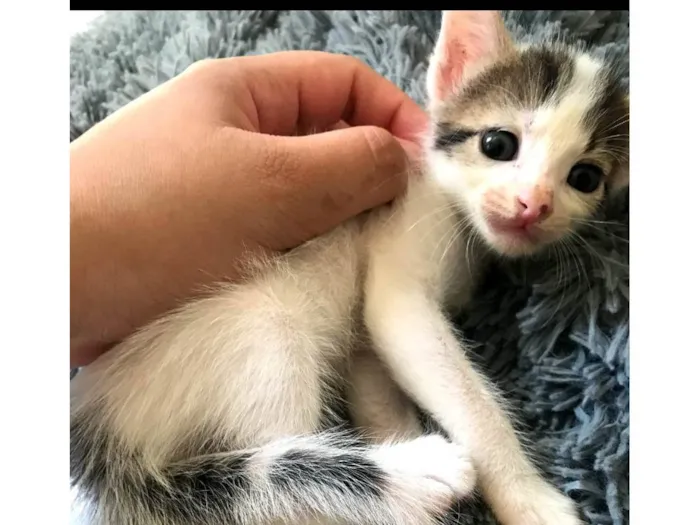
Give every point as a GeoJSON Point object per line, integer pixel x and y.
{"type": "Point", "coordinates": [338, 61]}
{"type": "Point", "coordinates": [204, 65]}
{"type": "Point", "coordinates": [353, 61]}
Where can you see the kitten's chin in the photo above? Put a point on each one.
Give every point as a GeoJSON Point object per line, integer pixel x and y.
{"type": "Point", "coordinates": [512, 242]}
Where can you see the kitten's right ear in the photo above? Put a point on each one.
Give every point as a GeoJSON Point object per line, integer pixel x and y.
{"type": "Point", "coordinates": [468, 41]}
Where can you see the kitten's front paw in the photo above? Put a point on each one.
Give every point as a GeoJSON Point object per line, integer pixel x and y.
{"type": "Point", "coordinates": [536, 503]}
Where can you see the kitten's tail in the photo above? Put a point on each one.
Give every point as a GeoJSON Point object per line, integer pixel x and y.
{"type": "Point", "coordinates": [320, 476]}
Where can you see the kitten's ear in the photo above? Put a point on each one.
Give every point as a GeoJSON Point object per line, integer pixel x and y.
{"type": "Point", "coordinates": [468, 41]}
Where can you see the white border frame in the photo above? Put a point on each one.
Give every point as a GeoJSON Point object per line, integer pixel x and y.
{"type": "Point", "coordinates": [34, 214]}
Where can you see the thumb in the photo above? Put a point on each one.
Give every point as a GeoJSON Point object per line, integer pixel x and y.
{"type": "Point", "coordinates": [344, 172]}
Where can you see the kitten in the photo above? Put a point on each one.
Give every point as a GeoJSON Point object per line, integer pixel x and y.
{"type": "Point", "coordinates": [215, 414]}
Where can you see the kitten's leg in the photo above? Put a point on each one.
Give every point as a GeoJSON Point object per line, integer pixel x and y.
{"type": "Point", "coordinates": [158, 424]}
{"type": "Point", "coordinates": [377, 405]}
{"type": "Point", "coordinates": [426, 359]}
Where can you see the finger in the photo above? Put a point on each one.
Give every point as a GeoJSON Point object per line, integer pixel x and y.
{"type": "Point", "coordinates": [412, 149]}
{"type": "Point", "coordinates": [339, 174]}
{"type": "Point", "coordinates": [307, 89]}
{"type": "Point", "coordinates": [338, 125]}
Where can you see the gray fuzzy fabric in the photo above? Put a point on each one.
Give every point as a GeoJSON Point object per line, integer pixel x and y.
{"type": "Point", "coordinates": [554, 334]}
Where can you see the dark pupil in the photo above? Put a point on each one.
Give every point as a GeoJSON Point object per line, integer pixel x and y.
{"type": "Point", "coordinates": [585, 177]}
{"type": "Point", "coordinates": [499, 145]}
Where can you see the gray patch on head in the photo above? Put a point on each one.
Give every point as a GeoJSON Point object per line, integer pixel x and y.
{"type": "Point", "coordinates": [525, 79]}
{"type": "Point", "coordinates": [446, 136]}
{"type": "Point", "coordinates": [608, 117]}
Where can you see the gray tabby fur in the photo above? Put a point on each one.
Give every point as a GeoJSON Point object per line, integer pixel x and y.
{"type": "Point", "coordinates": [557, 342]}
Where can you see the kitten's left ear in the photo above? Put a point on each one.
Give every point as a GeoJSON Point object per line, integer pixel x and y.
{"type": "Point", "coordinates": [468, 41]}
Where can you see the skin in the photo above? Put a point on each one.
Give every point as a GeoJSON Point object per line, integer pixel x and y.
{"type": "Point", "coordinates": [173, 191]}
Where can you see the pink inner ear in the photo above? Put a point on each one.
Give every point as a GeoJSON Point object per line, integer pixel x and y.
{"type": "Point", "coordinates": [467, 38]}
{"type": "Point", "coordinates": [450, 70]}
{"type": "Point", "coordinates": [458, 54]}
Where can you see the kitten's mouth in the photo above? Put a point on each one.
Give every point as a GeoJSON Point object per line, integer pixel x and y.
{"type": "Point", "coordinates": [512, 237]}
{"type": "Point", "coordinates": [515, 228]}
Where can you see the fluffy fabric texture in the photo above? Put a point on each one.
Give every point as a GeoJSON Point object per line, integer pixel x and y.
{"type": "Point", "coordinates": [554, 334]}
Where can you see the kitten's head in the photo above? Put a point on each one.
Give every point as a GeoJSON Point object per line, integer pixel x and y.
{"type": "Point", "coordinates": [528, 140]}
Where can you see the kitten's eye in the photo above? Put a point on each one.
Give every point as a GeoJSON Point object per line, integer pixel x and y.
{"type": "Point", "coordinates": [585, 177]}
{"type": "Point", "coordinates": [499, 145]}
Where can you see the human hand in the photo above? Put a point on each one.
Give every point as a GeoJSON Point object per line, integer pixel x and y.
{"type": "Point", "coordinates": [168, 193]}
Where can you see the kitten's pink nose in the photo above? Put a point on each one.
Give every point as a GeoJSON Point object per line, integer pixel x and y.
{"type": "Point", "coordinates": [535, 205]}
